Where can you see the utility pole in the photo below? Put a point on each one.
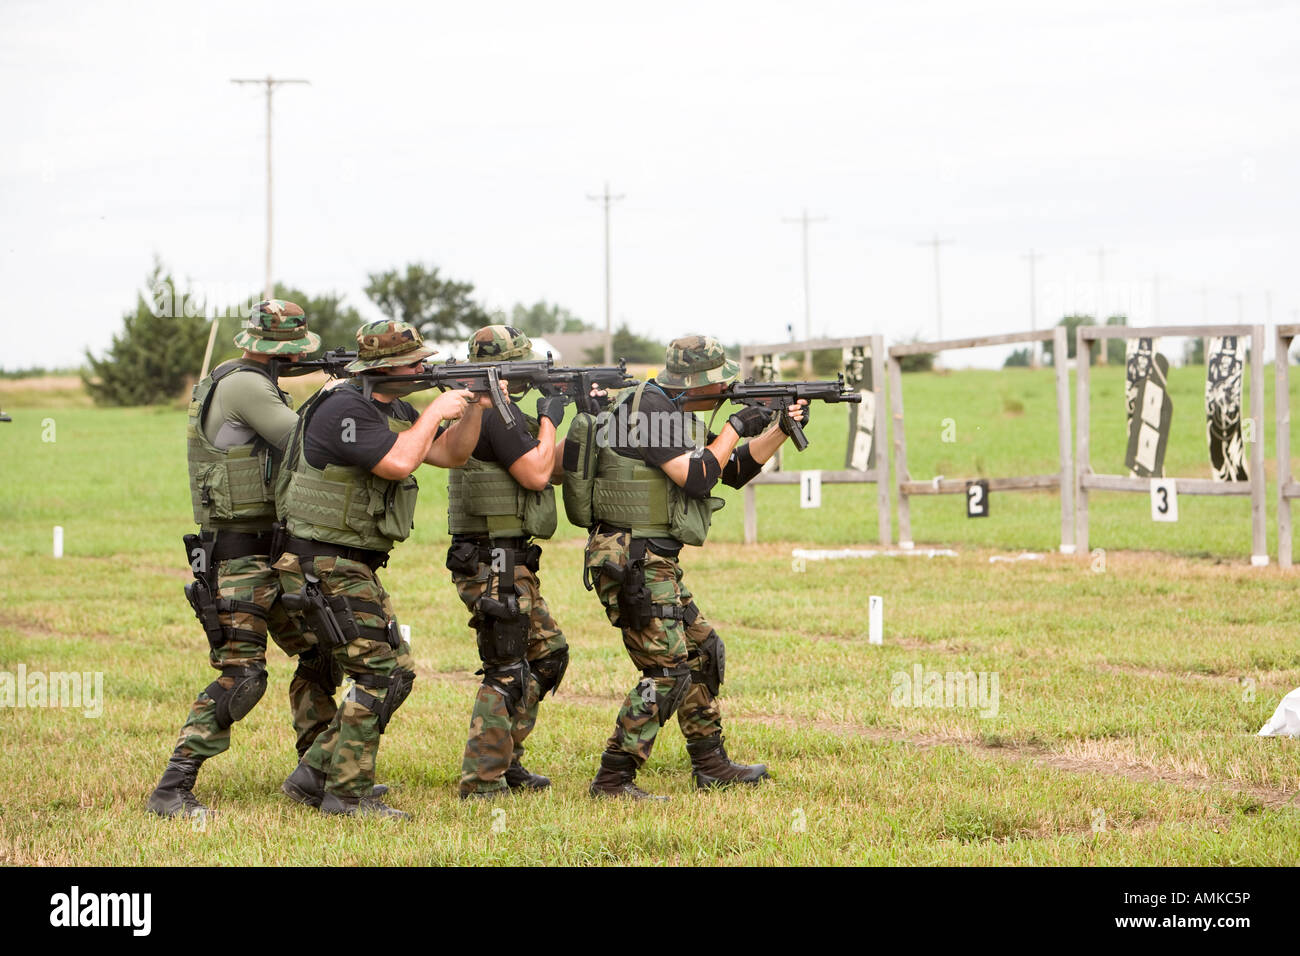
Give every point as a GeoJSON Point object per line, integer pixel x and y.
{"type": "Point", "coordinates": [1155, 299]}
{"type": "Point", "coordinates": [1241, 309]}
{"type": "Point", "coordinates": [1034, 347]}
{"type": "Point", "coordinates": [1205, 306]}
{"type": "Point", "coordinates": [936, 242]}
{"type": "Point", "coordinates": [804, 221]}
{"type": "Point", "coordinates": [270, 83]}
{"type": "Point", "coordinates": [1101, 255]}
{"type": "Point", "coordinates": [606, 199]}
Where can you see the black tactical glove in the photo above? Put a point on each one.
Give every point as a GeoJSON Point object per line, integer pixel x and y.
{"type": "Point", "coordinates": [552, 407]}
{"type": "Point", "coordinates": [807, 411]}
{"type": "Point", "coordinates": [750, 421]}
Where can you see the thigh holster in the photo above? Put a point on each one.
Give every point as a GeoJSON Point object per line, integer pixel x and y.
{"type": "Point", "coordinates": [332, 617]}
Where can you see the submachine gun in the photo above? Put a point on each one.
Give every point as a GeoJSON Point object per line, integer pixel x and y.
{"type": "Point", "coordinates": [778, 395]}
{"type": "Point", "coordinates": [485, 377]}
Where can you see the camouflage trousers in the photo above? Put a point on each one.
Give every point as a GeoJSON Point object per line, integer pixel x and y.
{"type": "Point", "coordinates": [347, 750]}
{"type": "Point", "coordinates": [252, 579]}
{"type": "Point", "coordinates": [663, 642]}
{"type": "Point", "coordinates": [496, 735]}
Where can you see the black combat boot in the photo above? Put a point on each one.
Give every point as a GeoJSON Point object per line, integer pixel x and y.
{"type": "Point", "coordinates": [520, 778]}
{"type": "Point", "coordinates": [617, 778]}
{"type": "Point", "coordinates": [174, 795]}
{"type": "Point", "coordinates": [714, 769]}
{"type": "Point", "coordinates": [307, 785]}
{"type": "Point", "coordinates": [360, 807]}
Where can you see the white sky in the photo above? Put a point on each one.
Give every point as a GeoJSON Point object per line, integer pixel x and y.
{"type": "Point", "coordinates": [468, 135]}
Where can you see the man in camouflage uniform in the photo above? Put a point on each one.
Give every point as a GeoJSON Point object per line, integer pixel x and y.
{"type": "Point", "coordinates": [650, 497]}
{"type": "Point", "coordinates": [347, 496]}
{"type": "Point", "coordinates": [497, 505]}
{"type": "Point", "coordinates": [239, 422]}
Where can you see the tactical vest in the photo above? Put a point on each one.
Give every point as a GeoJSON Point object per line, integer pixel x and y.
{"type": "Point", "coordinates": [231, 488]}
{"type": "Point", "coordinates": [343, 504]}
{"type": "Point", "coordinates": [631, 494]}
{"type": "Point", "coordinates": [484, 498]}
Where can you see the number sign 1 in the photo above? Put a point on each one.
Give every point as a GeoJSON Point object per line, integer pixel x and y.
{"type": "Point", "coordinates": [810, 489]}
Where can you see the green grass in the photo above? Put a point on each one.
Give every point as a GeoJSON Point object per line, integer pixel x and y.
{"type": "Point", "coordinates": [1127, 698]}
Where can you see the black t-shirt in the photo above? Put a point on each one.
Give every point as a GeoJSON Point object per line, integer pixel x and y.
{"type": "Point", "coordinates": [665, 436]}
{"type": "Point", "coordinates": [504, 445]}
{"type": "Point", "coordinates": [662, 433]}
{"type": "Point", "coordinates": [346, 428]}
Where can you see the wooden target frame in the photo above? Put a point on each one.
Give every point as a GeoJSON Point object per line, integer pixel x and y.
{"type": "Point", "coordinates": [1087, 481]}
{"type": "Point", "coordinates": [1286, 488]}
{"type": "Point", "coordinates": [878, 475]}
{"type": "Point", "coordinates": [905, 486]}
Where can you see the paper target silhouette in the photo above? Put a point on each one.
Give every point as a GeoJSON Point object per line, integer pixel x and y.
{"type": "Point", "coordinates": [1224, 362]}
{"type": "Point", "coordinates": [1148, 407]}
{"type": "Point", "coordinates": [860, 455]}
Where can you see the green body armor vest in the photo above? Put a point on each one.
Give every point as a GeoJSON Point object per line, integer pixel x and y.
{"type": "Point", "coordinates": [231, 488]}
{"type": "Point", "coordinates": [484, 498]}
{"type": "Point", "coordinates": [343, 504]}
{"type": "Point", "coordinates": [631, 494]}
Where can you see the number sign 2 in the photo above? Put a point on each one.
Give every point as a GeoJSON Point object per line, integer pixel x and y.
{"type": "Point", "coordinates": [977, 499]}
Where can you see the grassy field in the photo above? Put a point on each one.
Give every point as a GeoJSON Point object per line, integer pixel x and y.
{"type": "Point", "coordinates": [1127, 695]}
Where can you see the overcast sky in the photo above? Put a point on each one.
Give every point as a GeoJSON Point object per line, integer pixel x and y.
{"type": "Point", "coordinates": [469, 135]}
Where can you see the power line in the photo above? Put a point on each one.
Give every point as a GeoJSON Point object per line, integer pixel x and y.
{"type": "Point", "coordinates": [606, 199]}
{"type": "Point", "coordinates": [936, 242]}
{"type": "Point", "coordinates": [804, 221]}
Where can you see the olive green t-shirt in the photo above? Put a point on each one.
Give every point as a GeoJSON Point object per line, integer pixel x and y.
{"type": "Point", "coordinates": [246, 405]}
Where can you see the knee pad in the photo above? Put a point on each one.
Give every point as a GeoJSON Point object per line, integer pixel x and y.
{"type": "Point", "coordinates": [548, 671]}
{"type": "Point", "coordinates": [508, 680]}
{"type": "Point", "coordinates": [711, 661]}
{"type": "Point", "coordinates": [398, 683]}
{"type": "Point", "coordinates": [320, 669]}
{"type": "Point", "coordinates": [235, 703]}
{"type": "Point", "coordinates": [667, 701]}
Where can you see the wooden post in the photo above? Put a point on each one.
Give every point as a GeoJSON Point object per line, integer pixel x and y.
{"type": "Point", "coordinates": [1060, 348]}
{"type": "Point", "coordinates": [881, 439]}
{"type": "Point", "coordinates": [901, 473]}
{"type": "Point", "coordinates": [1081, 461]}
{"type": "Point", "coordinates": [1282, 402]}
{"type": "Point", "coordinates": [1258, 493]}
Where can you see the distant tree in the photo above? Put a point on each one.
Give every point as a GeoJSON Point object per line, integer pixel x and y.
{"type": "Point", "coordinates": [157, 353]}
{"type": "Point", "coordinates": [1194, 352]}
{"type": "Point", "coordinates": [627, 345]}
{"type": "Point", "coordinates": [1017, 359]}
{"type": "Point", "coordinates": [540, 319]}
{"type": "Point", "coordinates": [922, 362]}
{"type": "Point", "coordinates": [327, 316]}
{"type": "Point", "coordinates": [1116, 349]}
{"type": "Point", "coordinates": [1071, 322]}
{"type": "Point", "coordinates": [440, 308]}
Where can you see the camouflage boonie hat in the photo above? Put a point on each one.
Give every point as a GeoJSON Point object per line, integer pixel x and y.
{"type": "Point", "coordinates": [277, 327]}
{"type": "Point", "coordinates": [389, 342]}
{"type": "Point", "coordinates": [696, 360]}
{"type": "Point", "coordinates": [499, 343]}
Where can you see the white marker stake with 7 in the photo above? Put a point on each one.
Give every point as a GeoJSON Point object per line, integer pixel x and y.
{"type": "Point", "coordinates": [58, 541]}
{"type": "Point", "coordinates": [876, 616]}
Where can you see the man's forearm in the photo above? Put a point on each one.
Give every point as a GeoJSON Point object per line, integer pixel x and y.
{"type": "Point", "coordinates": [764, 446]}
{"type": "Point", "coordinates": [459, 440]}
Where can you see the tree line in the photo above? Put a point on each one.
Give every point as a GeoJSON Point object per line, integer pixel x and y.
{"type": "Point", "coordinates": [160, 347]}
